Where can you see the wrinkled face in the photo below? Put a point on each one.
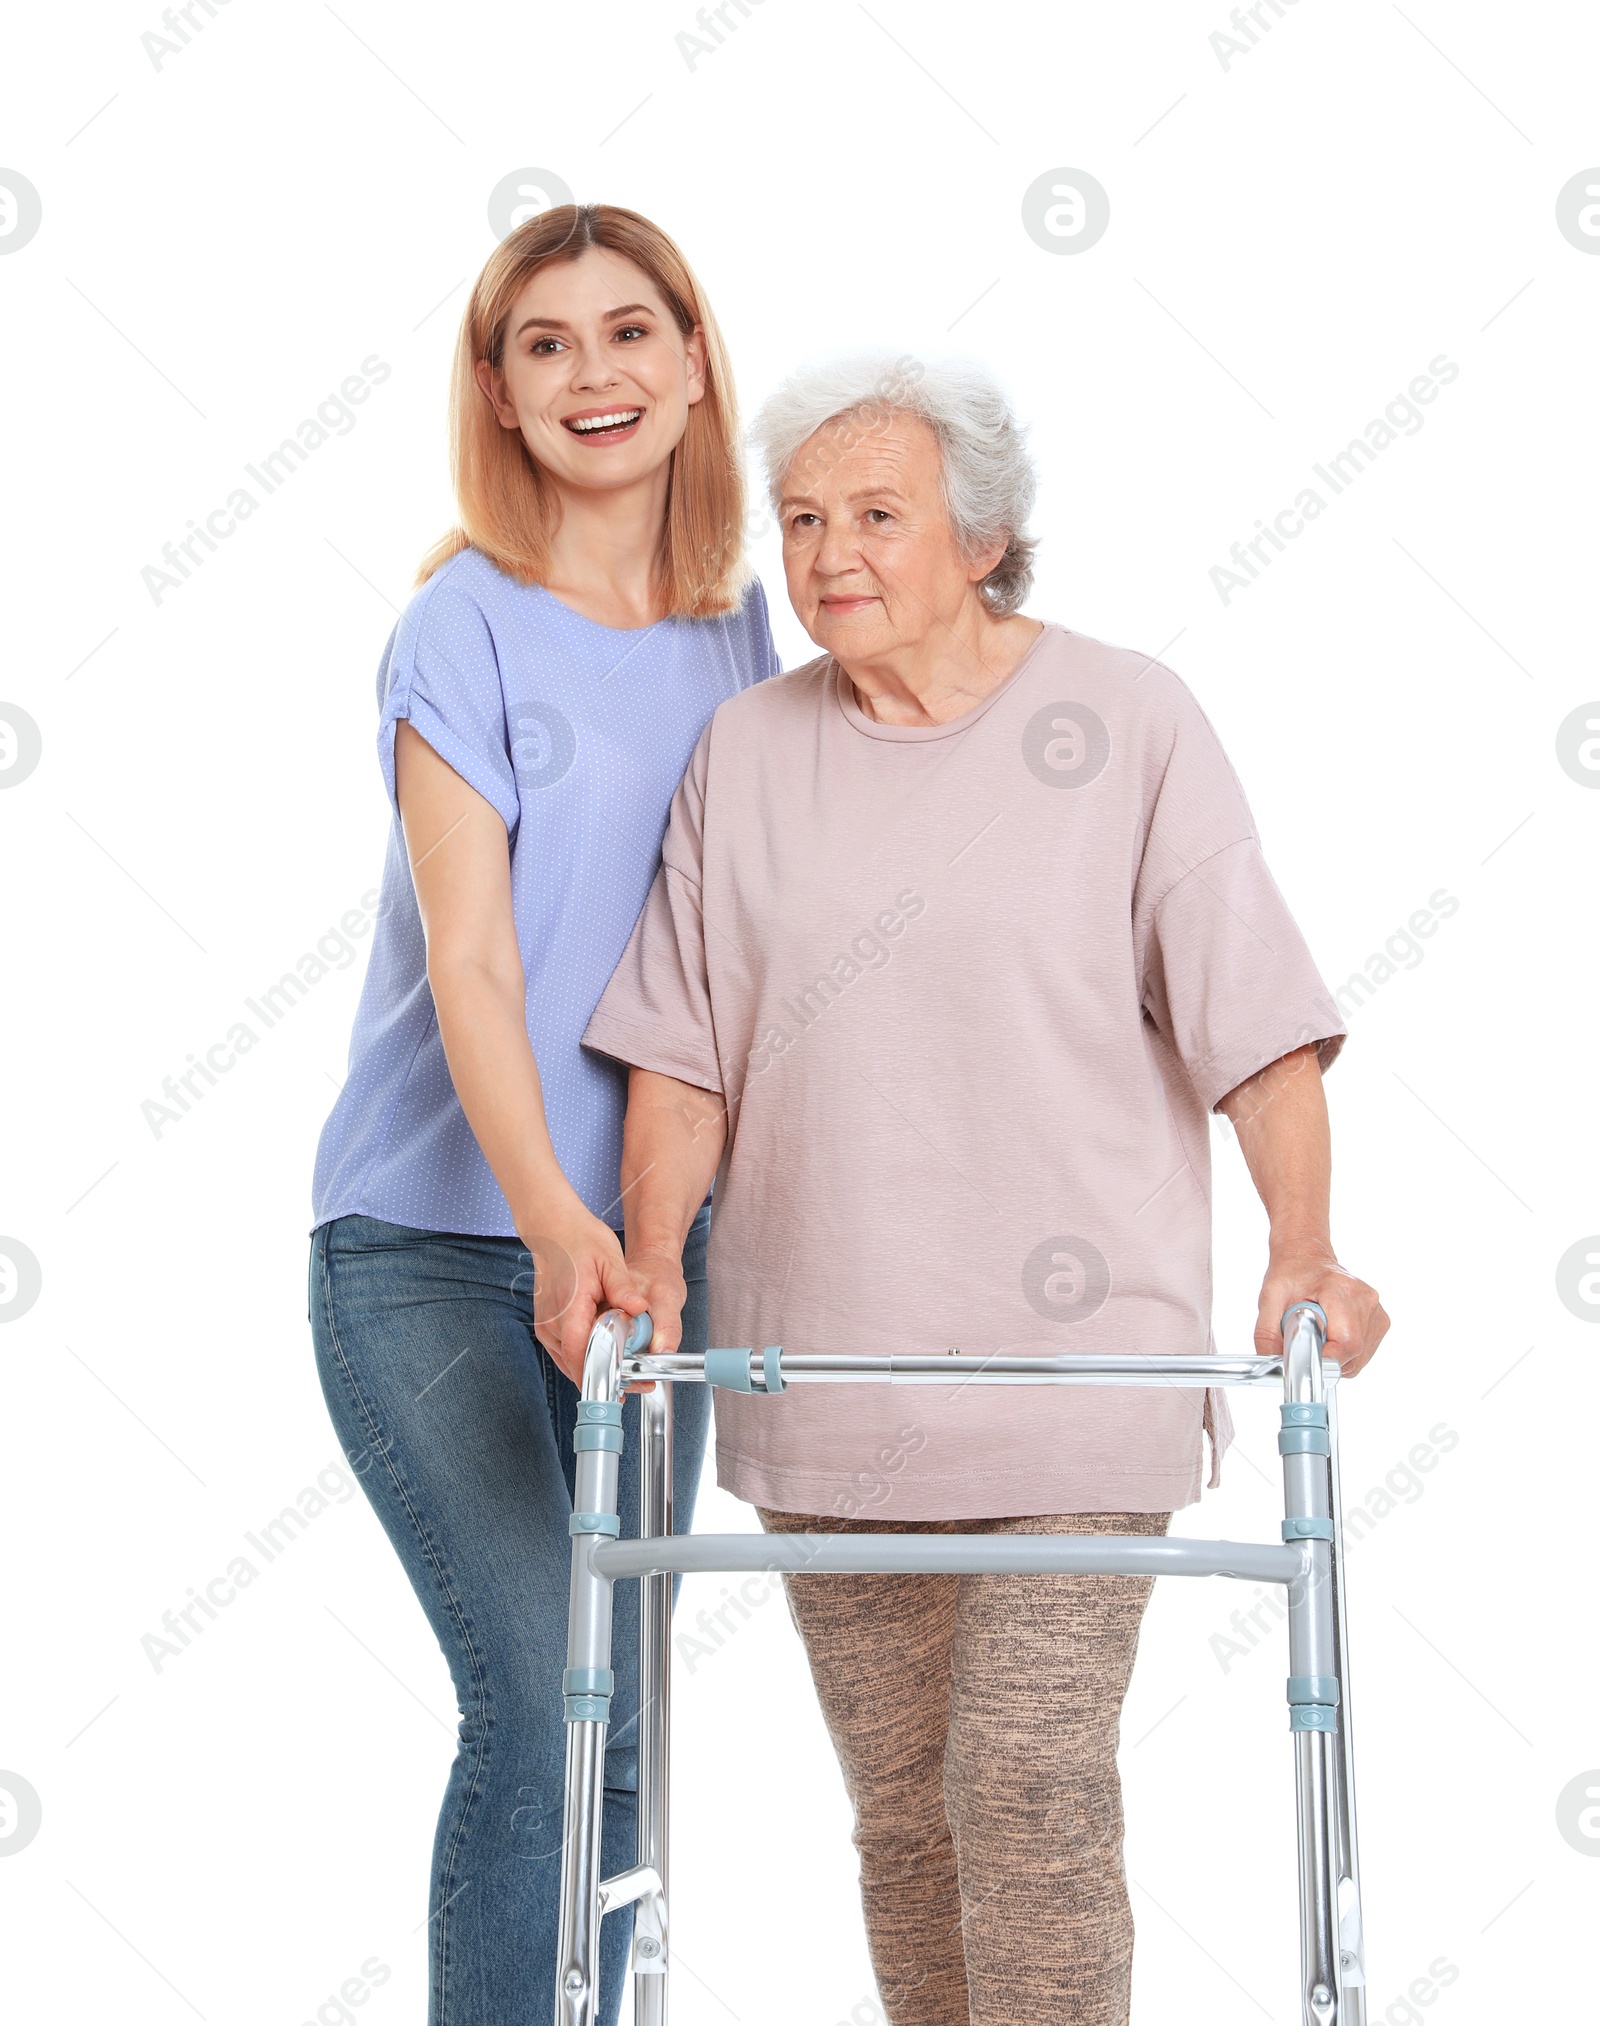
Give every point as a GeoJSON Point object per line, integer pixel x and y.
{"type": "Point", "coordinates": [595, 373]}
{"type": "Point", "coordinates": [872, 561]}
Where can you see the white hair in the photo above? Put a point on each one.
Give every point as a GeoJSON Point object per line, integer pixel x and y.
{"type": "Point", "coordinates": [986, 473]}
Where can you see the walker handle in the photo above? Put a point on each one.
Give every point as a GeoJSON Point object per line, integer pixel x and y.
{"type": "Point", "coordinates": [1315, 1310]}
{"type": "Point", "coordinates": [1305, 1331]}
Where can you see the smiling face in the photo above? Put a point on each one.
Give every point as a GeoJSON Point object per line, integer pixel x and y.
{"type": "Point", "coordinates": [875, 571]}
{"type": "Point", "coordinates": [595, 374]}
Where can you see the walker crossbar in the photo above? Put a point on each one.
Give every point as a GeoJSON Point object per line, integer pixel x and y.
{"type": "Point", "coordinates": [1309, 1564]}
{"type": "Point", "coordinates": [955, 1555]}
{"type": "Point", "coordinates": [718, 1368]}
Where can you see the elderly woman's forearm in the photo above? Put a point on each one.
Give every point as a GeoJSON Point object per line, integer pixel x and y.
{"type": "Point", "coordinates": [1281, 1118]}
{"type": "Point", "coordinates": [672, 1143]}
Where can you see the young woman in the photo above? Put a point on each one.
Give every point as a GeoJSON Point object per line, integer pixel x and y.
{"type": "Point", "coordinates": [539, 701]}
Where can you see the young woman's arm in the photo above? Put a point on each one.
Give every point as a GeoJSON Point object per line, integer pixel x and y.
{"type": "Point", "coordinates": [1281, 1117]}
{"type": "Point", "coordinates": [461, 869]}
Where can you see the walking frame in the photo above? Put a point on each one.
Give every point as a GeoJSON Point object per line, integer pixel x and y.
{"type": "Point", "coordinates": [1309, 1564]}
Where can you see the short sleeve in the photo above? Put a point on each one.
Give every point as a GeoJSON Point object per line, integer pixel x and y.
{"type": "Point", "coordinates": [1228, 980]}
{"type": "Point", "coordinates": [1225, 974]}
{"type": "Point", "coordinates": [443, 678]}
{"type": "Point", "coordinates": [656, 1011]}
{"type": "Point", "coordinates": [761, 655]}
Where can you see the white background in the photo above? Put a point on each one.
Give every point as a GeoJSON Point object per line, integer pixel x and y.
{"type": "Point", "coordinates": [1295, 234]}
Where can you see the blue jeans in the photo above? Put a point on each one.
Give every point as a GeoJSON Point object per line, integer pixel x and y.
{"type": "Point", "coordinates": [459, 1426]}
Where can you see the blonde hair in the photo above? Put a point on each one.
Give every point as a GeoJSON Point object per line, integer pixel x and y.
{"type": "Point", "coordinates": [507, 506]}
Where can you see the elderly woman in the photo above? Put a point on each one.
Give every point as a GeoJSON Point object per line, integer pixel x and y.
{"type": "Point", "coordinates": [961, 931]}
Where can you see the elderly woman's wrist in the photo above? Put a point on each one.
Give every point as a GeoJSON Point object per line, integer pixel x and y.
{"type": "Point", "coordinates": [657, 1243]}
{"type": "Point", "coordinates": [1301, 1244]}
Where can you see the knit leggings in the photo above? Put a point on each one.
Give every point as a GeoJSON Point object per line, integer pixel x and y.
{"type": "Point", "coordinates": [976, 1721]}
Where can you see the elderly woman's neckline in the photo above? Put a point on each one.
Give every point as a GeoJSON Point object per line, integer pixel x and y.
{"type": "Point", "coordinates": [948, 712]}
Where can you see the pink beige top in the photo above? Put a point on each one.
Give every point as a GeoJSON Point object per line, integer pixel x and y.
{"type": "Point", "coordinates": [969, 991]}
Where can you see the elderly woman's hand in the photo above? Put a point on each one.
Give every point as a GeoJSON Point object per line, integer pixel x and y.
{"type": "Point", "coordinates": [658, 1272]}
{"type": "Point", "coordinates": [1357, 1323]}
{"type": "Point", "coordinates": [1281, 1117]}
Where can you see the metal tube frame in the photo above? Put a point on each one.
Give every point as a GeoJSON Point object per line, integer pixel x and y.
{"type": "Point", "coordinates": [1309, 1564]}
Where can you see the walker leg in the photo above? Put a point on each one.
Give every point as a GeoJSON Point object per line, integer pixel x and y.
{"type": "Point", "coordinates": [578, 1947]}
{"type": "Point", "coordinates": [1332, 1979]}
{"type": "Point", "coordinates": [650, 1960]}
{"type": "Point", "coordinates": [588, 1681]}
{"type": "Point", "coordinates": [1319, 1959]}
{"type": "Point", "coordinates": [1347, 1868]}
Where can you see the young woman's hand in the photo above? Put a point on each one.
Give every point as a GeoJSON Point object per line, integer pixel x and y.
{"type": "Point", "coordinates": [578, 1273]}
